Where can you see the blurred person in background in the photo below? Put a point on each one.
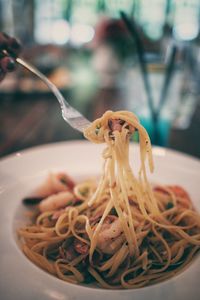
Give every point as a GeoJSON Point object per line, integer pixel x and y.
{"type": "Point", "coordinates": [111, 46]}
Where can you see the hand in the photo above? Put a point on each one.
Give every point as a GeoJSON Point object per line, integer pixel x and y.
{"type": "Point", "coordinates": [13, 48]}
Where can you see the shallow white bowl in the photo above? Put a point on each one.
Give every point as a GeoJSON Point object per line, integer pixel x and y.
{"type": "Point", "coordinates": [20, 173]}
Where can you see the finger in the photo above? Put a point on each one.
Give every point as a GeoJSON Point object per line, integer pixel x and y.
{"type": "Point", "coordinates": [7, 64]}
{"type": "Point", "coordinates": [5, 35]}
{"type": "Point", "coordinates": [10, 44]}
{"type": "Point", "coordinates": [3, 40]}
{"type": "Point", "coordinates": [2, 74]}
{"type": "Point", "coordinates": [2, 55]}
{"type": "Point", "coordinates": [14, 46]}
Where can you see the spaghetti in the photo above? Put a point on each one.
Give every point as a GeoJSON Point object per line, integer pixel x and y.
{"type": "Point", "coordinates": [119, 233]}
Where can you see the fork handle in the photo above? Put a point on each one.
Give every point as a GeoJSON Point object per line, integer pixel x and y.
{"type": "Point", "coordinates": [72, 116]}
{"type": "Point", "coordinates": [50, 85]}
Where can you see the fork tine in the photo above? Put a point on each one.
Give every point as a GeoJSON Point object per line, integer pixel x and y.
{"type": "Point", "coordinates": [78, 121]}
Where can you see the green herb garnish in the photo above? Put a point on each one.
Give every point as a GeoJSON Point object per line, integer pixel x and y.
{"type": "Point", "coordinates": [63, 180]}
{"type": "Point", "coordinates": [169, 205]}
{"type": "Point", "coordinates": [97, 129]}
{"type": "Point", "coordinates": [84, 192]}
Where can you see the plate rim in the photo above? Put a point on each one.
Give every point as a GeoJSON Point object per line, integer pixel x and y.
{"type": "Point", "coordinates": [28, 150]}
{"type": "Point", "coordinates": [91, 290]}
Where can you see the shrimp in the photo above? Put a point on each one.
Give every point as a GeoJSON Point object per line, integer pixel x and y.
{"type": "Point", "coordinates": [57, 201]}
{"type": "Point", "coordinates": [111, 229]}
{"type": "Point", "coordinates": [55, 183]}
{"type": "Point", "coordinates": [81, 247]}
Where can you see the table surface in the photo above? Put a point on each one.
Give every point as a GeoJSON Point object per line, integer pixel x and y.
{"type": "Point", "coordinates": [27, 121]}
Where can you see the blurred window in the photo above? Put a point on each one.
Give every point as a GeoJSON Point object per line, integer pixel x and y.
{"type": "Point", "coordinates": [113, 7]}
{"type": "Point", "coordinates": [62, 21]}
{"type": "Point", "coordinates": [84, 16]}
{"type": "Point", "coordinates": [6, 16]}
{"type": "Point", "coordinates": [151, 16]}
{"type": "Point", "coordinates": [50, 24]}
{"type": "Point", "coordinates": [186, 21]}
{"type": "Point", "coordinates": [84, 12]}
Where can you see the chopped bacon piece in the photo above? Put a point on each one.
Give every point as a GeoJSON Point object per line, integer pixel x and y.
{"type": "Point", "coordinates": [160, 190]}
{"type": "Point", "coordinates": [69, 254]}
{"type": "Point", "coordinates": [178, 191]}
{"type": "Point", "coordinates": [81, 247]}
{"type": "Point", "coordinates": [110, 219]}
{"type": "Point", "coordinates": [116, 125]}
{"type": "Point", "coordinates": [94, 219]}
{"type": "Point", "coordinates": [184, 198]}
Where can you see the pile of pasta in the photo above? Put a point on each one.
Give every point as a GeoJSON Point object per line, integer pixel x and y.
{"type": "Point", "coordinates": [119, 231]}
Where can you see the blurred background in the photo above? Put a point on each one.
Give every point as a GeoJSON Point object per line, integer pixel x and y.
{"type": "Point", "coordinates": [146, 60]}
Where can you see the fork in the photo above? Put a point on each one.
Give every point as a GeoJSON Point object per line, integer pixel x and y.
{"type": "Point", "coordinates": [72, 116]}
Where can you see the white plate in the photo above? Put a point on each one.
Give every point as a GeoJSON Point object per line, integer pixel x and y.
{"type": "Point", "coordinates": [20, 279]}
